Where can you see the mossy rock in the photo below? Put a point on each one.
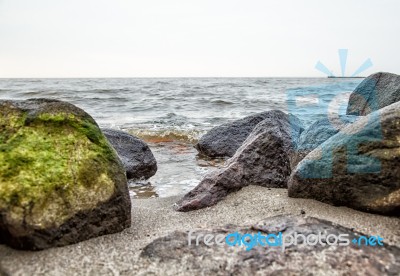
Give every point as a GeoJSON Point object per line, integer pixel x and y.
{"type": "Point", "coordinates": [61, 182]}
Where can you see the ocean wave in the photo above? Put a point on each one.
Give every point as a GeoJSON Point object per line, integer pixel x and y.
{"type": "Point", "coordinates": [221, 102]}
{"type": "Point", "coordinates": [104, 90]}
{"type": "Point", "coordinates": [167, 135]}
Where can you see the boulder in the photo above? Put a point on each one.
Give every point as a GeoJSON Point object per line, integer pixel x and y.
{"type": "Point", "coordinates": [174, 251]}
{"type": "Point", "coordinates": [263, 159]}
{"type": "Point", "coordinates": [135, 154]}
{"type": "Point", "coordinates": [319, 132]}
{"type": "Point", "coordinates": [359, 167]}
{"type": "Point", "coordinates": [373, 93]}
{"type": "Point", "coordinates": [224, 140]}
{"type": "Point", "coordinates": [61, 182]}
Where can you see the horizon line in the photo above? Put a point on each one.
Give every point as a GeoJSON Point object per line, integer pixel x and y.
{"type": "Point", "coordinates": [167, 77]}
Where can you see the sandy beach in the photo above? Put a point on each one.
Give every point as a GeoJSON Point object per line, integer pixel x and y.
{"type": "Point", "coordinates": [118, 254]}
{"type": "Point", "coordinates": [210, 138]}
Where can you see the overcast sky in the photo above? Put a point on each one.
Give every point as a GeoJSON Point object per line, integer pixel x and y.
{"type": "Point", "coordinates": [202, 38]}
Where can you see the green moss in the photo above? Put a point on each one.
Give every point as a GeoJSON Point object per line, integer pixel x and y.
{"type": "Point", "coordinates": [11, 120]}
{"type": "Point", "coordinates": [52, 166]}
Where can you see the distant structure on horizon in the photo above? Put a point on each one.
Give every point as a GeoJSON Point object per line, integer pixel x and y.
{"type": "Point", "coordinates": [346, 77]}
{"type": "Point", "coordinates": [343, 62]}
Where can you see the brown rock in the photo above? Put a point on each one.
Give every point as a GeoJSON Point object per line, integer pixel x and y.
{"type": "Point", "coordinates": [375, 92]}
{"type": "Point", "coordinates": [359, 167]}
{"type": "Point", "coordinates": [263, 159]}
{"type": "Point", "coordinates": [301, 259]}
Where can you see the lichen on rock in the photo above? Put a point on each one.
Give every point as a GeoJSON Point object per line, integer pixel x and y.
{"type": "Point", "coordinates": [54, 164]}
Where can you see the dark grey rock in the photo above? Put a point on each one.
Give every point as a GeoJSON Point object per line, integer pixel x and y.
{"type": "Point", "coordinates": [375, 92]}
{"type": "Point", "coordinates": [263, 159]}
{"type": "Point", "coordinates": [301, 259]}
{"type": "Point", "coordinates": [224, 140]}
{"type": "Point", "coordinates": [319, 132]}
{"type": "Point", "coordinates": [135, 154]}
{"type": "Point", "coordinates": [359, 167]}
{"type": "Point", "coordinates": [61, 182]}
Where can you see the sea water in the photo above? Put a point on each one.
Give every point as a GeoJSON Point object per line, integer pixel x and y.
{"type": "Point", "coordinates": [170, 114]}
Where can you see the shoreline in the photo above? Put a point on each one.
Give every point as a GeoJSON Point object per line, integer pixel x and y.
{"type": "Point", "coordinates": [153, 218]}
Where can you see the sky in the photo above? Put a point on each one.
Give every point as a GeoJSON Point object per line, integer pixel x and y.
{"type": "Point", "coordinates": [202, 38]}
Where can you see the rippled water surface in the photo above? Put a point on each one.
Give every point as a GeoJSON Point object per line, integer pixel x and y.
{"type": "Point", "coordinates": [171, 114]}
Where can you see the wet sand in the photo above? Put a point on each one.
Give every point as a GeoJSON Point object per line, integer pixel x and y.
{"type": "Point", "coordinates": [118, 254]}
